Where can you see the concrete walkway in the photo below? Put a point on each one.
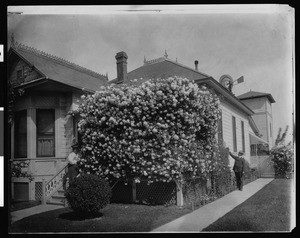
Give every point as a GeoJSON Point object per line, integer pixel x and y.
{"type": "Point", "coordinates": [199, 219]}
{"type": "Point", "coordinates": [20, 214]}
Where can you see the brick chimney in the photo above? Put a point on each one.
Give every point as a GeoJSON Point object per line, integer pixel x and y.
{"type": "Point", "coordinates": [121, 58]}
{"type": "Point", "coordinates": [196, 65]}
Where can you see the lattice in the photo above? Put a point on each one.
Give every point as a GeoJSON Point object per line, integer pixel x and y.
{"type": "Point", "coordinates": [156, 193]}
{"type": "Point", "coordinates": [38, 191]}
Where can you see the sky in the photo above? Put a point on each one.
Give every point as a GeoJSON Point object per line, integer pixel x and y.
{"type": "Point", "coordinates": [254, 41]}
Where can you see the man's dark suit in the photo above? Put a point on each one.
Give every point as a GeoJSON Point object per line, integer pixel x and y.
{"type": "Point", "coordinates": [238, 168]}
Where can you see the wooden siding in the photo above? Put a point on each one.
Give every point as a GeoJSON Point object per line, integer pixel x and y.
{"type": "Point", "coordinates": [227, 112]}
{"type": "Point", "coordinates": [256, 104]}
{"type": "Point", "coordinates": [29, 73]}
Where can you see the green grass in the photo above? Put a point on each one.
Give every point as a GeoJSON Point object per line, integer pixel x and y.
{"type": "Point", "coordinates": [113, 218]}
{"type": "Point", "coordinates": [267, 210]}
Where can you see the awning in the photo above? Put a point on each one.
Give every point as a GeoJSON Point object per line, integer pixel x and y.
{"type": "Point", "coordinates": [254, 139]}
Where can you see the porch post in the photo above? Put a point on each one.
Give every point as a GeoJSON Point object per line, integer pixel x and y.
{"type": "Point", "coordinates": [31, 133]}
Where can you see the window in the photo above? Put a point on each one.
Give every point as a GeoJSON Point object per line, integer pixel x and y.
{"type": "Point", "coordinates": [45, 119]}
{"type": "Point", "coordinates": [234, 134]}
{"type": "Point", "coordinates": [270, 130]}
{"type": "Point", "coordinates": [253, 150]}
{"type": "Point", "coordinates": [243, 135]}
{"type": "Point", "coordinates": [220, 130]}
{"type": "Point", "coordinates": [20, 135]}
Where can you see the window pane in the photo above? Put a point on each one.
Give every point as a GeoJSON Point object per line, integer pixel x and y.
{"type": "Point", "coordinates": [45, 121]}
{"type": "Point", "coordinates": [45, 132]}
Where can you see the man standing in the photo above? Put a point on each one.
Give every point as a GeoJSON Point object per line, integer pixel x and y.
{"type": "Point", "coordinates": [72, 159]}
{"type": "Point", "coordinates": [238, 168]}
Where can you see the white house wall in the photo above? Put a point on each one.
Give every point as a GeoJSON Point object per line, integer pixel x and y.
{"type": "Point", "coordinates": [227, 112]}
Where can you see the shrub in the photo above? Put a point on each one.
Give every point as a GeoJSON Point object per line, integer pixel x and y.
{"type": "Point", "coordinates": [282, 156]}
{"type": "Point", "coordinates": [88, 194]}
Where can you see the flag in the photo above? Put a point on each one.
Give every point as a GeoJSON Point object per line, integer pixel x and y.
{"type": "Point", "coordinates": [240, 79]}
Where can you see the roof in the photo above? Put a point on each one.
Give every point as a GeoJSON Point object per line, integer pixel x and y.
{"type": "Point", "coordinates": [253, 94]}
{"type": "Point", "coordinates": [58, 69]}
{"type": "Point", "coordinates": [163, 67]}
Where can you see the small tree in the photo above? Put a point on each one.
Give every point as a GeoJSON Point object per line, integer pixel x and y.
{"type": "Point", "coordinates": [282, 155]}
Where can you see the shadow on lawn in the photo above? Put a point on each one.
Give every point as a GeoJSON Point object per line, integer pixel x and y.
{"type": "Point", "coordinates": [79, 216]}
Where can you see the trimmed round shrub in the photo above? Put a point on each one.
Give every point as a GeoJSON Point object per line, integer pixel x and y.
{"type": "Point", "coordinates": [88, 193]}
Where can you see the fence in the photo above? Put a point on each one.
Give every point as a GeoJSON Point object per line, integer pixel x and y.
{"type": "Point", "coordinates": [195, 192]}
{"type": "Point", "coordinates": [156, 193]}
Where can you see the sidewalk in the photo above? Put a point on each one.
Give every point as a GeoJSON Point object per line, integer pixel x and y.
{"type": "Point", "coordinates": [206, 215]}
{"type": "Point", "coordinates": [20, 214]}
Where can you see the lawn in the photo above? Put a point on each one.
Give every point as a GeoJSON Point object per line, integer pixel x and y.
{"type": "Point", "coordinates": [267, 210]}
{"type": "Point", "coordinates": [113, 218]}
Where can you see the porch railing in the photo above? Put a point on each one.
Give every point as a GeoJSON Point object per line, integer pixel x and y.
{"type": "Point", "coordinates": [50, 187]}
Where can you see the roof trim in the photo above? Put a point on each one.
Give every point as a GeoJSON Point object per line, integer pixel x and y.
{"type": "Point", "coordinates": [228, 95]}
{"type": "Point", "coordinates": [268, 95]}
{"type": "Point", "coordinates": [45, 80]}
{"type": "Point", "coordinates": [66, 63]}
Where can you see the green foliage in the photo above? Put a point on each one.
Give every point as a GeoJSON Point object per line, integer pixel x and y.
{"type": "Point", "coordinates": [18, 167]}
{"type": "Point", "coordinates": [282, 155]}
{"type": "Point", "coordinates": [157, 131]}
{"type": "Point", "coordinates": [88, 194]}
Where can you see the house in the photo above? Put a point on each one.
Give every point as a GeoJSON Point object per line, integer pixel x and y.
{"type": "Point", "coordinates": [43, 130]}
{"type": "Point", "coordinates": [237, 127]}
{"type": "Point", "coordinates": [261, 104]}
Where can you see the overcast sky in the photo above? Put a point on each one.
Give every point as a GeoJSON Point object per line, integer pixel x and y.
{"type": "Point", "coordinates": [256, 44]}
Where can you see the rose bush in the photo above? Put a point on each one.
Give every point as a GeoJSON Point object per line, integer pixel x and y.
{"type": "Point", "coordinates": [159, 131]}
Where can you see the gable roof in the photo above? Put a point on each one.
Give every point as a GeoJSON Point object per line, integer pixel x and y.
{"type": "Point", "coordinates": [162, 67]}
{"type": "Point", "coordinates": [58, 69]}
{"type": "Point", "coordinates": [253, 94]}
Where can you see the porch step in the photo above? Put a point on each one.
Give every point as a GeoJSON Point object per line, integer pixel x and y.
{"type": "Point", "coordinates": [58, 198]}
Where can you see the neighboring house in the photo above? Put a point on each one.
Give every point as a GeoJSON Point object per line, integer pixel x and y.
{"type": "Point", "coordinates": [236, 124]}
{"type": "Point", "coordinates": [43, 130]}
{"type": "Point", "coordinates": [261, 104]}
